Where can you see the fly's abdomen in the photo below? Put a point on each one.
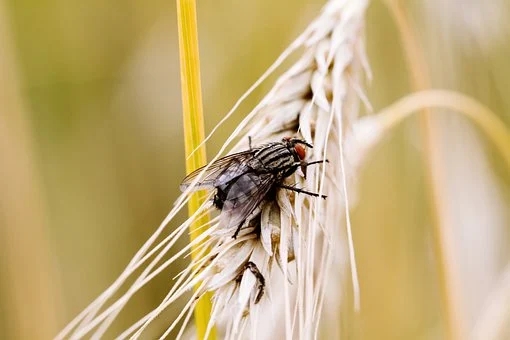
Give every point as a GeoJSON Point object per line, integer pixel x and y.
{"type": "Point", "coordinates": [242, 190]}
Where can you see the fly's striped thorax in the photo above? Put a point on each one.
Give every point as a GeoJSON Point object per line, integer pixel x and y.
{"type": "Point", "coordinates": [275, 156]}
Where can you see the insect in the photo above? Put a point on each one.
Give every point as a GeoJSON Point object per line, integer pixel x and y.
{"type": "Point", "coordinates": [244, 180]}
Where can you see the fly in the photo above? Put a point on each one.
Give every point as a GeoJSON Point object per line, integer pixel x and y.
{"type": "Point", "coordinates": [244, 180]}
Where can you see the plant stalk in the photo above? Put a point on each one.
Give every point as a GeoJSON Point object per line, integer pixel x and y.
{"type": "Point", "coordinates": [193, 135]}
{"type": "Point", "coordinates": [435, 178]}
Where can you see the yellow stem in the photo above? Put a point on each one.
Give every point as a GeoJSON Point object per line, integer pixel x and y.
{"type": "Point", "coordinates": [435, 177]}
{"type": "Point", "coordinates": [193, 134]}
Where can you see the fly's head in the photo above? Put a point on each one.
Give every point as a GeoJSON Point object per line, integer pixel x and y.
{"type": "Point", "coordinates": [297, 147]}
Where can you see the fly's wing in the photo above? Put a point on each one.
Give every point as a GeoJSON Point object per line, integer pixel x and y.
{"type": "Point", "coordinates": [244, 196]}
{"type": "Point", "coordinates": [220, 172]}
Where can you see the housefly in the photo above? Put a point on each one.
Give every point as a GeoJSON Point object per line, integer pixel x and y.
{"type": "Point", "coordinates": [244, 180]}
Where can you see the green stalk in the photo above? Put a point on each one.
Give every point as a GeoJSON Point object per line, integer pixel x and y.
{"type": "Point", "coordinates": [193, 135]}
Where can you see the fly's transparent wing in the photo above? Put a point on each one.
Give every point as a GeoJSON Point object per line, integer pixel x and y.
{"type": "Point", "coordinates": [220, 172]}
{"type": "Point", "coordinates": [244, 196]}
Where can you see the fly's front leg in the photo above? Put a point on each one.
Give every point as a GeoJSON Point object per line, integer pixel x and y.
{"type": "Point", "coordinates": [304, 165]}
{"type": "Point", "coordinates": [314, 162]}
{"type": "Point", "coordinates": [301, 164]}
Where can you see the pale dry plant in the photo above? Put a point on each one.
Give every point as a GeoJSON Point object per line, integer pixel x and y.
{"type": "Point", "coordinates": [493, 321]}
{"type": "Point", "coordinates": [316, 99]}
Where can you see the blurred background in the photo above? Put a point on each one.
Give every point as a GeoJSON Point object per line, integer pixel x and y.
{"type": "Point", "coordinates": [91, 151]}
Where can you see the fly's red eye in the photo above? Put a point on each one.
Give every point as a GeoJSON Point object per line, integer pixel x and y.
{"type": "Point", "coordinates": [300, 150]}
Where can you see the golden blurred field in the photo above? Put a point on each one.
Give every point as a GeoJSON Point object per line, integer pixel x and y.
{"type": "Point", "coordinates": [91, 151]}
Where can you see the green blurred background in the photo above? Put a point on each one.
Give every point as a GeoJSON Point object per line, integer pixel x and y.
{"type": "Point", "coordinates": [92, 150]}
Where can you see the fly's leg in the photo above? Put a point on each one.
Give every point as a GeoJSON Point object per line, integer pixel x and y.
{"type": "Point", "coordinates": [301, 164]}
{"type": "Point", "coordinates": [314, 162]}
{"type": "Point", "coordinates": [304, 165]}
{"type": "Point", "coordinates": [250, 222]}
{"type": "Point", "coordinates": [301, 191]}
{"type": "Point", "coordinates": [249, 143]}
{"type": "Point", "coordinates": [237, 231]}
{"type": "Point", "coordinates": [261, 281]}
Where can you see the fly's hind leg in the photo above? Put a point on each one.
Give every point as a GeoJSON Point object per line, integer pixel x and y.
{"type": "Point", "coordinates": [261, 281]}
